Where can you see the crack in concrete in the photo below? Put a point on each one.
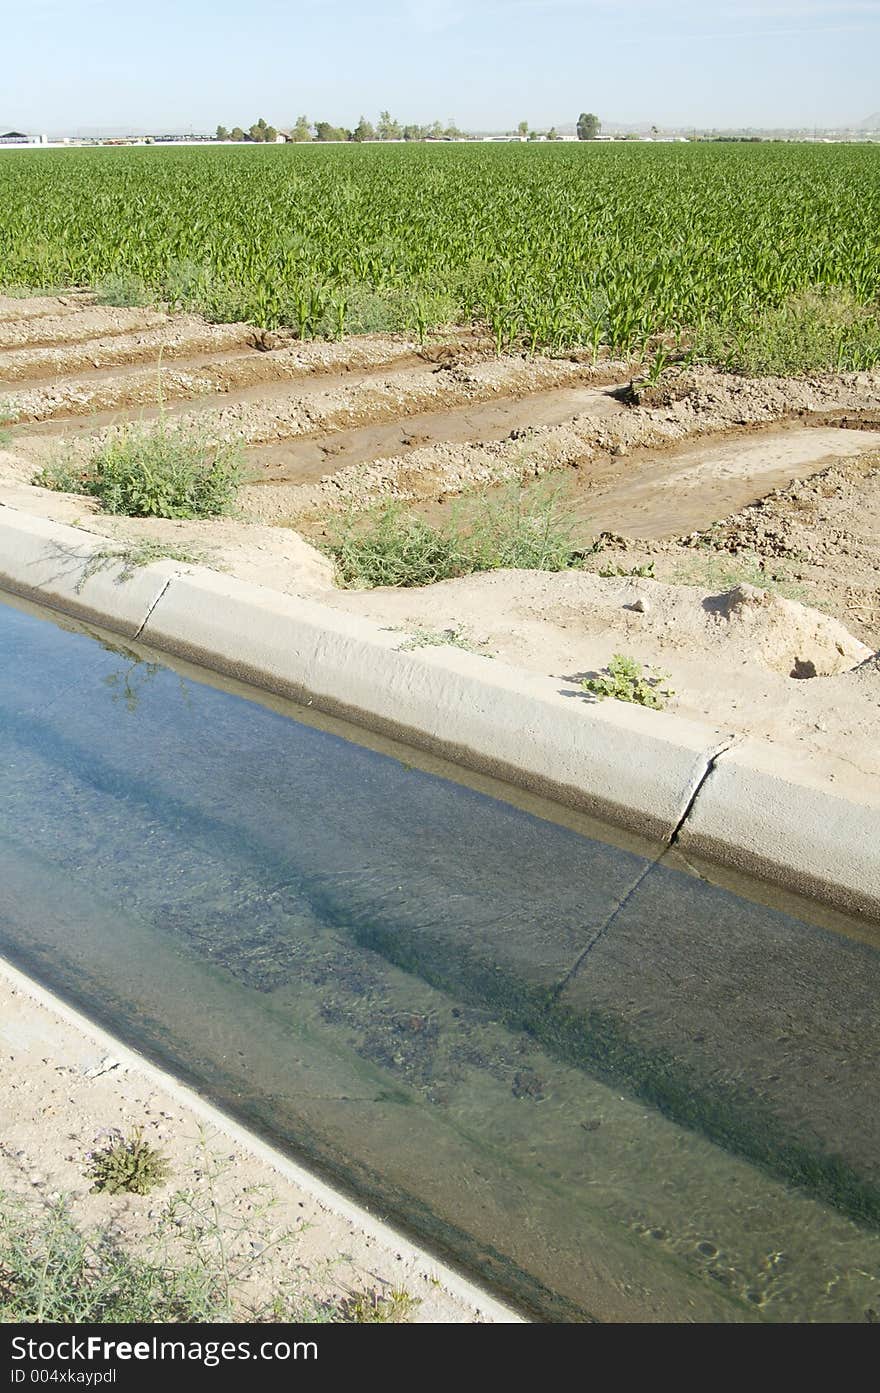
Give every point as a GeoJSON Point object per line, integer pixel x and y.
{"type": "Point", "coordinates": [713, 759]}
{"type": "Point", "coordinates": [149, 614]}
{"type": "Point", "coordinates": [604, 929]}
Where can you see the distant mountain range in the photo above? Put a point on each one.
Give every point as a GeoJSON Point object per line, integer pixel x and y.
{"type": "Point", "coordinates": [870, 123]}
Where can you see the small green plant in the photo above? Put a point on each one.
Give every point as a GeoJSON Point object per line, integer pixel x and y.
{"type": "Point", "coordinates": [186, 283]}
{"type": "Point", "coordinates": [624, 679]}
{"type": "Point", "coordinates": [520, 532]}
{"type": "Point", "coordinates": [377, 1308]}
{"type": "Point", "coordinates": [168, 471]}
{"type": "Point", "coordinates": [129, 1165]}
{"type": "Point", "coordinates": [123, 290]}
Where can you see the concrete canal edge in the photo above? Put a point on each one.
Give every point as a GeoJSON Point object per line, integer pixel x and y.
{"type": "Point", "coordinates": [482, 1302]}
{"type": "Point", "coordinates": [740, 803]}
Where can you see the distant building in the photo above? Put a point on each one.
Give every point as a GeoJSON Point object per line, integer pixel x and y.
{"type": "Point", "coordinates": [19, 138]}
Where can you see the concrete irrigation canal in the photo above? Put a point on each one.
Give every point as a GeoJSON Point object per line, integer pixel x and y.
{"type": "Point", "coordinates": [603, 1085]}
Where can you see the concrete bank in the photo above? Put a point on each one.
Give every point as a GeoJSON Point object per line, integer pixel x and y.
{"type": "Point", "coordinates": [738, 803]}
{"type": "Point", "coordinates": [105, 1083]}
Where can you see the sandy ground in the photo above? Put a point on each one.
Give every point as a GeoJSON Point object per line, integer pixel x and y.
{"type": "Point", "coordinates": [730, 656]}
{"type": "Point", "coordinates": [62, 1095]}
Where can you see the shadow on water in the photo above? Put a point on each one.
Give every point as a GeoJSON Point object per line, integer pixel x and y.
{"type": "Point", "coordinates": [609, 1088]}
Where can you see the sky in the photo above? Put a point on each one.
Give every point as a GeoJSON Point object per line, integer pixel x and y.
{"type": "Point", "coordinates": [73, 65]}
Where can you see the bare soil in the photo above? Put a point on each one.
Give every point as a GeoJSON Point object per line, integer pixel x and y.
{"type": "Point", "coordinates": [708, 479]}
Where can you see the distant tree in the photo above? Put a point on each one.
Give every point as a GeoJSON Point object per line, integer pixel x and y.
{"type": "Point", "coordinates": [270, 134]}
{"type": "Point", "coordinates": [301, 129]}
{"type": "Point", "coordinates": [258, 131]}
{"type": "Point", "coordinates": [522, 129]}
{"type": "Point", "coordinates": [237, 133]}
{"type": "Point", "coordinates": [434, 131]}
{"type": "Point", "coordinates": [222, 133]}
{"type": "Point", "coordinates": [452, 132]}
{"type": "Point", "coordinates": [415, 132]}
{"type": "Point", "coordinates": [534, 135]}
{"type": "Point", "coordinates": [588, 126]}
{"type": "Point", "coordinates": [363, 130]}
{"type": "Point", "coordinates": [553, 134]}
{"type": "Point", "coordinates": [324, 131]}
{"type": "Point", "coordinates": [387, 128]}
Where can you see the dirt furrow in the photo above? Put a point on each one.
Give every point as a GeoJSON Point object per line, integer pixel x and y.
{"type": "Point", "coordinates": [264, 414]}
{"type": "Point", "coordinates": [181, 337]}
{"type": "Point", "coordinates": [93, 322]}
{"type": "Point", "coordinates": [194, 344]}
{"type": "Point", "coordinates": [16, 308]}
{"type": "Point", "coordinates": [309, 458]}
{"type": "Point", "coordinates": [716, 405]}
{"type": "Point", "coordinates": [130, 388]}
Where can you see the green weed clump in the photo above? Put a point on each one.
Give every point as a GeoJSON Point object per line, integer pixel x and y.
{"type": "Point", "coordinates": [376, 1308]}
{"type": "Point", "coordinates": [624, 679]}
{"type": "Point", "coordinates": [394, 547]}
{"type": "Point", "coordinates": [825, 330]}
{"type": "Point", "coordinates": [166, 471]}
{"type": "Point", "coordinates": [721, 570]}
{"type": "Point", "coordinates": [391, 546]}
{"type": "Point", "coordinates": [123, 290]}
{"type": "Point", "coordinates": [129, 1165]}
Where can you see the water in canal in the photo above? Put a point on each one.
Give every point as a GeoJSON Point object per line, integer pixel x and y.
{"type": "Point", "coordinates": [606, 1086]}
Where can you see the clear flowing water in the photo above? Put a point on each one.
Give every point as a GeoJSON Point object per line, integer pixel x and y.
{"type": "Point", "coordinates": [607, 1087]}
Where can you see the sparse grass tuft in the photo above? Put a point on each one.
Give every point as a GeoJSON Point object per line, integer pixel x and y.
{"type": "Point", "coordinates": [442, 638]}
{"type": "Point", "coordinates": [50, 1272]}
{"type": "Point", "coordinates": [822, 330]}
{"type": "Point", "coordinates": [195, 1266]}
{"type": "Point", "coordinates": [128, 557]}
{"type": "Point", "coordinates": [643, 572]}
{"type": "Point", "coordinates": [129, 1165]}
{"type": "Point", "coordinates": [7, 419]}
{"type": "Point", "coordinates": [392, 546]}
{"type": "Point", "coordinates": [167, 471]}
{"type": "Point", "coordinates": [720, 571]}
{"type": "Point", "coordinates": [624, 679]}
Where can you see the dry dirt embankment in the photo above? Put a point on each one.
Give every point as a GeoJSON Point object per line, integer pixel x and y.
{"type": "Point", "coordinates": [708, 480]}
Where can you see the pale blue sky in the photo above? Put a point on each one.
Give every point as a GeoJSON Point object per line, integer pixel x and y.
{"type": "Point", "coordinates": [72, 64]}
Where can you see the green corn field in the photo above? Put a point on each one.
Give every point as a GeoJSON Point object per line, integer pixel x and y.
{"type": "Point", "coordinates": [624, 247]}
